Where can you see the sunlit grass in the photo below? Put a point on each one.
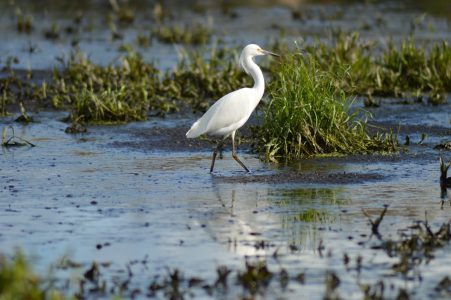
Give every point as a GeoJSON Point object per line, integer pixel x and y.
{"type": "Point", "coordinates": [309, 114]}
{"type": "Point", "coordinates": [404, 70]}
{"type": "Point", "coordinates": [18, 281]}
{"type": "Point", "coordinates": [196, 34]}
{"type": "Point", "coordinates": [116, 93]}
{"type": "Point", "coordinates": [13, 91]}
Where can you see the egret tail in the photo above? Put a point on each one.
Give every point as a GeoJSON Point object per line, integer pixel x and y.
{"type": "Point", "coordinates": [195, 130]}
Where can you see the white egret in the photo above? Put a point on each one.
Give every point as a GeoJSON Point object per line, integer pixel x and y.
{"type": "Point", "coordinates": [232, 111]}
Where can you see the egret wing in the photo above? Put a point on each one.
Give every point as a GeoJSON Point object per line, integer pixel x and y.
{"type": "Point", "coordinates": [231, 109]}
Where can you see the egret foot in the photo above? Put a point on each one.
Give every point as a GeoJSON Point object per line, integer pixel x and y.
{"type": "Point", "coordinates": [235, 156]}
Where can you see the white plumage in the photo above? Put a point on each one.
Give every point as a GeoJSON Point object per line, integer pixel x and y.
{"type": "Point", "coordinates": [228, 114]}
{"type": "Point", "coordinates": [232, 111]}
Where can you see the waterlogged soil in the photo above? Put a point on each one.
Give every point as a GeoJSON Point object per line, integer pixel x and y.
{"type": "Point", "coordinates": [119, 196]}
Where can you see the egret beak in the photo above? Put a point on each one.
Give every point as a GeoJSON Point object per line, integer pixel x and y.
{"type": "Point", "coordinates": [269, 53]}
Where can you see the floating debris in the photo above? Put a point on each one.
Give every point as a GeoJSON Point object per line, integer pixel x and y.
{"type": "Point", "coordinates": [444, 286]}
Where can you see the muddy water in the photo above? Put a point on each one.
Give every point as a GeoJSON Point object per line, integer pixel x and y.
{"type": "Point", "coordinates": [90, 198]}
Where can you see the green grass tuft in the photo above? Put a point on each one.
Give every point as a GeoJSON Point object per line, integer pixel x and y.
{"type": "Point", "coordinates": [117, 93]}
{"type": "Point", "coordinates": [196, 34]}
{"type": "Point", "coordinates": [309, 114]}
{"type": "Point", "coordinates": [18, 281]}
{"type": "Point", "coordinates": [405, 70]}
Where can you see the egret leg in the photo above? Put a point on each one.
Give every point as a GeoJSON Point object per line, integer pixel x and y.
{"type": "Point", "coordinates": [217, 149]}
{"type": "Point", "coordinates": [235, 156]}
{"type": "Point", "coordinates": [221, 149]}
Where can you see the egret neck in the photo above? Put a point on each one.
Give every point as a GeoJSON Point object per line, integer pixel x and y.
{"type": "Point", "coordinates": [259, 81]}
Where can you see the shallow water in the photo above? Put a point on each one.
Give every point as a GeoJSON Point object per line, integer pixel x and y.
{"type": "Point", "coordinates": [263, 24]}
{"type": "Point", "coordinates": [72, 193]}
{"type": "Point", "coordinates": [103, 196]}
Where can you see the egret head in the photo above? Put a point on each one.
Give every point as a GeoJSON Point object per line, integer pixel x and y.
{"type": "Point", "coordinates": [250, 51]}
{"type": "Point", "coordinates": [255, 50]}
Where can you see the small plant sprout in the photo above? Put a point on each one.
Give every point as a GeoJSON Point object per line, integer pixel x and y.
{"type": "Point", "coordinates": [24, 117]}
{"type": "Point", "coordinates": [24, 23]}
{"type": "Point", "coordinates": [11, 140]}
{"type": "Point", "coordinates": [53, 32]}
{"type": "Point", "coordinates": [375, 224]}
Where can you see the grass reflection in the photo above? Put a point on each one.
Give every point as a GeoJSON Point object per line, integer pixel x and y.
{"type": "Point", "coordinates": [304, 196]}
{"type": "Point", "coordinates": [303, 210]}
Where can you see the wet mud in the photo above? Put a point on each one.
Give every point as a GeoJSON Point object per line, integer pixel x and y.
{"type": "Point", "coordinates": [294, 178]}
